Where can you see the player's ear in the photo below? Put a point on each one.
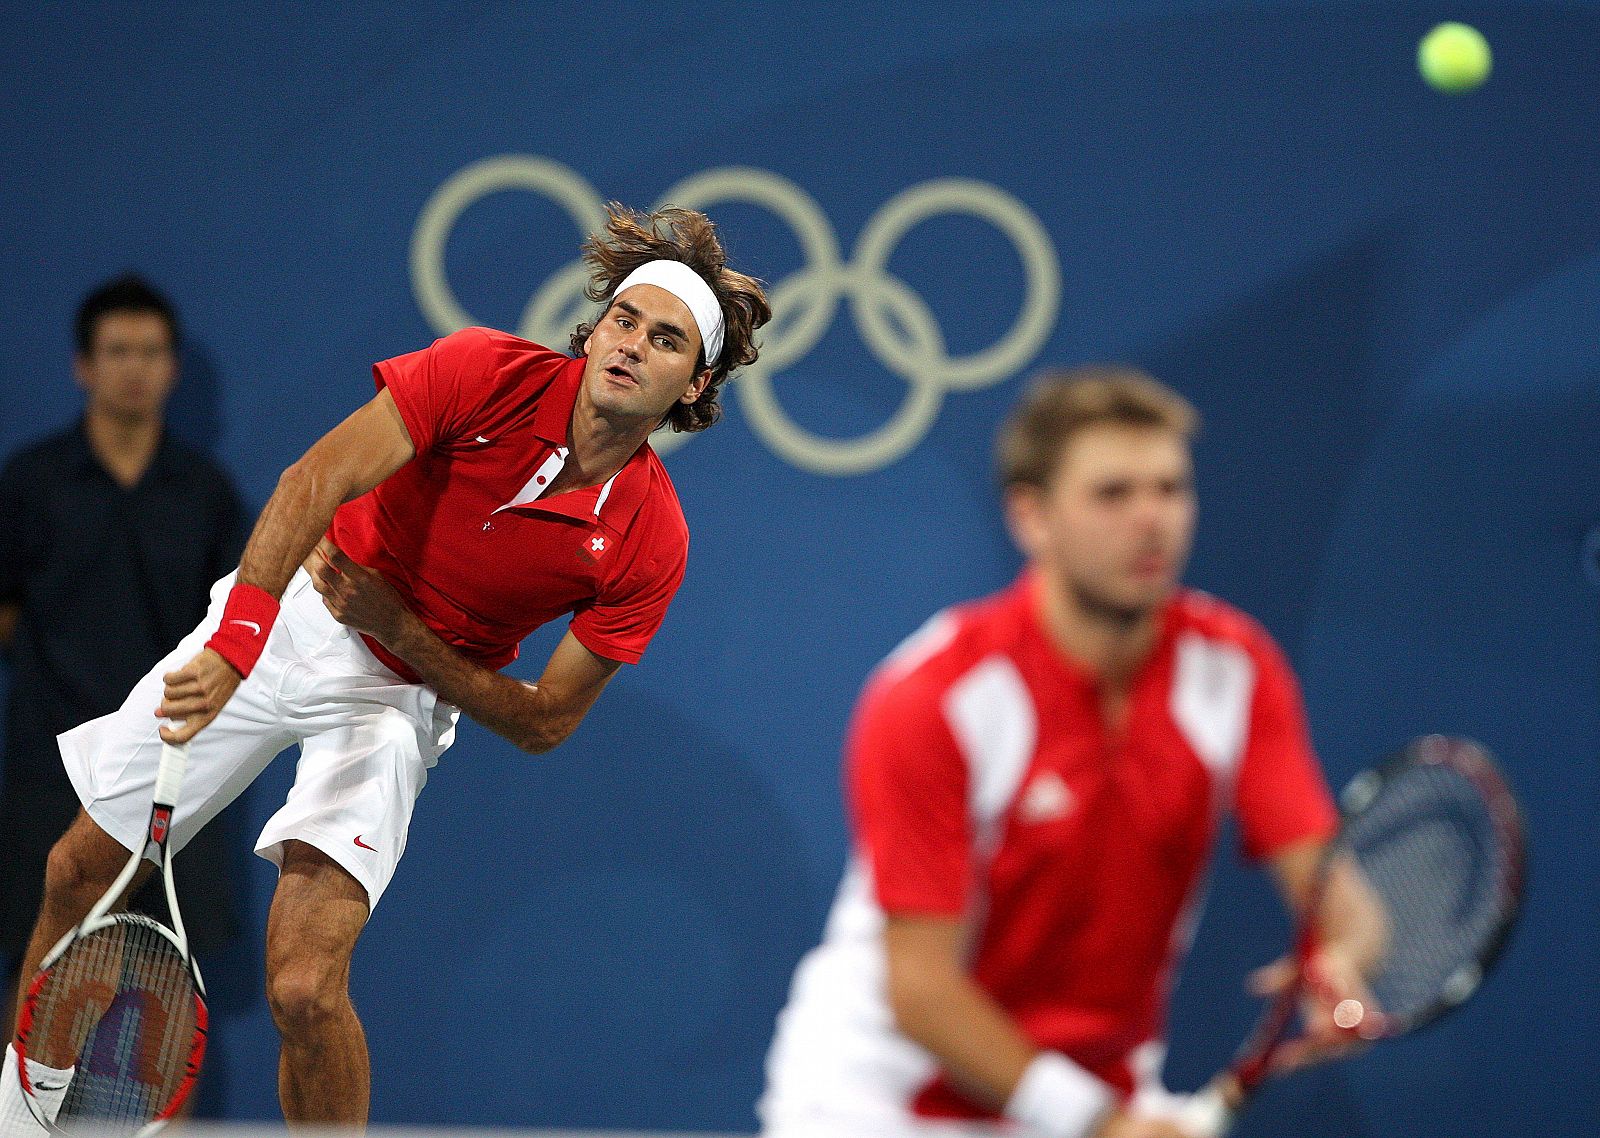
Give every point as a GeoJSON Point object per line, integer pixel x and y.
{"type": "Point", "coordinates": [697, 386]}
{"type": "Point", "coordinates": [1024, 508]}
{"type": "Point", "coordinates": [80, 369]}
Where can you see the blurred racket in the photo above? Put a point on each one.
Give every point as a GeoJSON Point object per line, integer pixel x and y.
{"type": "Point", "coordinates": [1438, 837]}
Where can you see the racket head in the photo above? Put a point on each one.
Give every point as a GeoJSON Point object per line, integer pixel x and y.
{"type": "Point", "coordinates": [121, 1002]}
{"type": "Point", "coordinates": [1438, 835]}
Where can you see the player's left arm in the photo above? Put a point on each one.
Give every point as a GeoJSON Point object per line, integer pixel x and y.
{"type": "Point", "coordinates": [1288, 818]}
{"type": "Point", "coordinates": [536, 716]}
{"type": "Point", "coordinates": [1352, 924]}
{"type": "Point", "coordinates": [1351, 936]}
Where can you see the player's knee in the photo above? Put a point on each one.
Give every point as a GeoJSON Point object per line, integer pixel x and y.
{"type": "Point", "coordinates": [81, 866]}
{"type": "Point", "coordinates": [305, 992]}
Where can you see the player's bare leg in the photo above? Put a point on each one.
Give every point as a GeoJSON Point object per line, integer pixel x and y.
{"type": "Point", "coordinates": [82, 866]}
{"type": "Point", "coordinates": [317, 913]}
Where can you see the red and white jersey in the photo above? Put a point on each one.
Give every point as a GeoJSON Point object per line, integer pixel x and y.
{"type": "Point", "coordinates": [464, 530]}
{"type": "Point", "coordinates": [985, 785]}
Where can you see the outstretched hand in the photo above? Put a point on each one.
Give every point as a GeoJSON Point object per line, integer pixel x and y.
{"type": "Point", "coordinates": [194, 695]}
{"type": "Point", "coordinates": [358, 597]}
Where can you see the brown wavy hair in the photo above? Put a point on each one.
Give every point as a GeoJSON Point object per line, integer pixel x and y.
{"type": "Point", "coordinates": [629, 240]}
{"type": "Point", "coordinates": [1059, 404]}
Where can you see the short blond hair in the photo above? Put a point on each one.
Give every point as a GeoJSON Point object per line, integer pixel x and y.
{"type": "Point", "coordinates": [1059, 404]}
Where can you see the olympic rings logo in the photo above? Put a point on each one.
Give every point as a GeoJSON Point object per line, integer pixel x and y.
{"type": "Point", "coordinates": [893, 319]}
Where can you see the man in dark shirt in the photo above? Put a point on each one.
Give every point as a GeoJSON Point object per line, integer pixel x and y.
{"type": "Point", "coordinates": [95, 588]}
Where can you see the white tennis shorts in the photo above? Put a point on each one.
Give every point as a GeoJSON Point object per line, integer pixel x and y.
{"type": "Point", "coordinates": [367, 740]}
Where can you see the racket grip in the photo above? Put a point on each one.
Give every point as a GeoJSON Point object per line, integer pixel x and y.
{"type": "Point", "coordinates": [1206, 1113]}
{"type": "Point", "coordinates": [169, 775]}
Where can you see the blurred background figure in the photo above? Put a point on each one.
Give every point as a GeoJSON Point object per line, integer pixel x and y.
{"type": "Point", "coordinates": [1036, 782]}
{"type": "Point", "coordinates": [93, 591]}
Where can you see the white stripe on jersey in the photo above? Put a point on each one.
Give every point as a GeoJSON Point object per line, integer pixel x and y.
{"type": "Point", "coordinates": [1213, 686]}
{"type": "Point", "coordinates": [992, 717]}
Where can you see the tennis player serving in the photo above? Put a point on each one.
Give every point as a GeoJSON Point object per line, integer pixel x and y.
{"type": "Point", "coordinates": [490, 486]}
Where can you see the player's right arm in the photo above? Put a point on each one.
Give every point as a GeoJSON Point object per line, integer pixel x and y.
{"type": "Point", "coordinates": [981, 1049]}
{"type": "Point", "coordinates": [937, 1005]}
{"type": "Point", "coordinates": [536, 716]}
{"type": "Point", "coordinates": [909, 787]}
{"type": "Point", "coordinates": [345, 463]}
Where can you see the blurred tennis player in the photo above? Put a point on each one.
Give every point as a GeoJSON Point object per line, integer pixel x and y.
{"type": "Point", "coordinates": [1035, 781]}
{"type": "Point", "coordinates": [490, 486]}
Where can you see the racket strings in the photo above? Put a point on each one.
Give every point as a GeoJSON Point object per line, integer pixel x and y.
{"type": "Point", "coordinates": [119, 1006]}
{"type": "Point", "coordinates": [1430, 848]}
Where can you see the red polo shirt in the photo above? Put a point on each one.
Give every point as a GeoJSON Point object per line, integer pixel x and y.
{"type": "Point", "coordinates": [462, 532]}
{"type": "Point", "coordinates": [986, 785]}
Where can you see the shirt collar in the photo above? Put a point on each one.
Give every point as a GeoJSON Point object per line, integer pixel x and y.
{"type": "Point", "coordinates": [553, 413]}
{"type": "Point", "coordinates": [613, 503]}
{"type": "Point", "coordinates": [627, 490]}
{"type": "Point", "coordinates": [1027, 594]}
{"type": "Point", "coordinates": [164, 464]}
{"type": "Point", "coordinates": [81, 453]}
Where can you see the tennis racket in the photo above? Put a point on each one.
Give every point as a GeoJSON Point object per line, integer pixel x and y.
{"type": "Point", "coordinates": [1438, 838]}
{"type": "Point", "coordinates": [119, 1002]}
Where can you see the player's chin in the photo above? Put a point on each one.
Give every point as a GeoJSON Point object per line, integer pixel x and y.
{"type": "Point", "coordinates": [623, 399]}
{"type": "Point", "coordinates": [1143, 595]}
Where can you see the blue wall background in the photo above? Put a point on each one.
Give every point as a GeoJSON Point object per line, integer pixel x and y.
{"type": "Point", "coordinates": [1386, 301]}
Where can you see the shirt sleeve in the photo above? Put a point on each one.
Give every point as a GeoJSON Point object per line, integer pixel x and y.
{"type": "Point", "coordinates": [908, 798]}
{"type": "Point", "coordinates": [1281, 796]}
{"type": "Point", "coordinates": [440, 388]}
{"type": "Point", "coordinates": [628, 612]}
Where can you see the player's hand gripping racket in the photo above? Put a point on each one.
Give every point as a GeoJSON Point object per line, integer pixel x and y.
{"type": "Point", "coordinates": [1437, 836]}
{"type": "Point", "coordinates": [119, 1002]}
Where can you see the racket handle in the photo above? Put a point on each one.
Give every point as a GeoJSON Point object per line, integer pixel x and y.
{"type": "Point", "coordinates": [169, 775]}
{"type": "Point", "coordinates": [1207, 1113]}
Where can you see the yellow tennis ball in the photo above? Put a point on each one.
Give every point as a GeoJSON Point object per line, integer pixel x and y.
{"type": "Point", "coordinates": [1454, 58]}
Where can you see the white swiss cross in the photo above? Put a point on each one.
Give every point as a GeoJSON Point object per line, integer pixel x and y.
{"type": "Point", "coordinates": [597, 543]}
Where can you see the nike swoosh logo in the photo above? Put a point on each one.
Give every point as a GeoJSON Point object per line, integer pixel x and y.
{"type": "Point", "coordinates": [481, 439]}
{"type": "Point", "coordinates": [38, 1086]}
{"type": "Point", "coordinates": [250, 624]}
{"type": "Point", "coordinates": [364, 845]}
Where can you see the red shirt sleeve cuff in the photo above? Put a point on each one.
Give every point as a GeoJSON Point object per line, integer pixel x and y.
{"type": "Point", "coordinates": [608, 649]}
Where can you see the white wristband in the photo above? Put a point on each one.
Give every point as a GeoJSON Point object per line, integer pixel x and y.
{"type": "Point", "coordinates": [1056, 1097]}
{"type": "Point", "coordinates": [1204, 1114]}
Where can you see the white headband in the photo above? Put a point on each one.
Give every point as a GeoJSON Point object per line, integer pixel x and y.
{"type": "Point", "coordinates": [688, 286]}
